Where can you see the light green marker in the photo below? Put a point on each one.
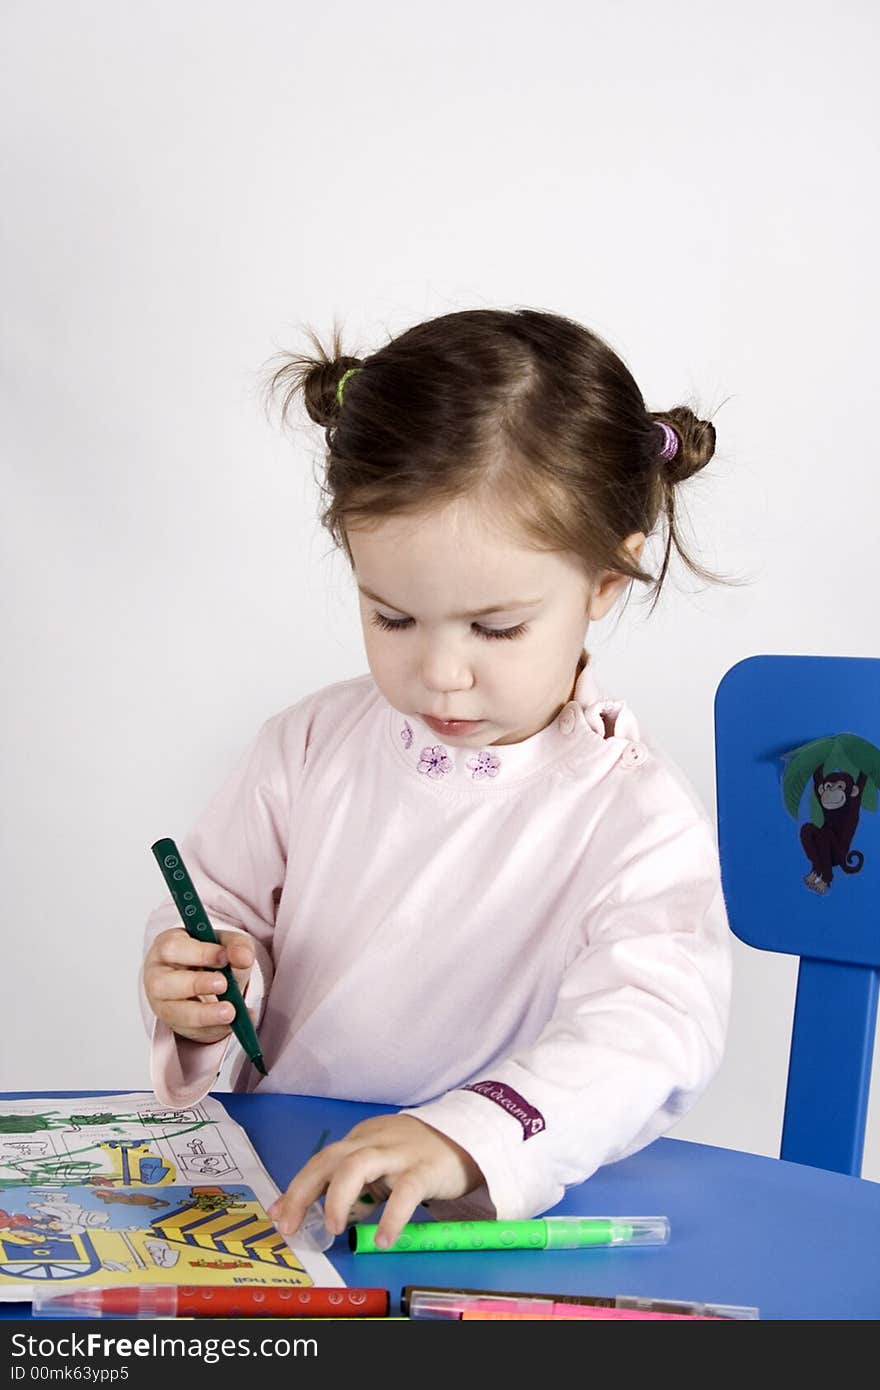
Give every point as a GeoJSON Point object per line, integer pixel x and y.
{"type": "Point", "coordinates": [547, 1233]}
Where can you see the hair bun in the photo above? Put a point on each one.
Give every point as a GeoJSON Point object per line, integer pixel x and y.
{"type": "Point", "coordinates": [321, 389]}
{"type": "Point", "coordinates": [696, 443]}
{"type": "Point", "coordinates": [313, 377]}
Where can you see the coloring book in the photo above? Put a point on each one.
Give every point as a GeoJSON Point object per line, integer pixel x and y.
{"type": "Point", "coordinates": [119, 1190]}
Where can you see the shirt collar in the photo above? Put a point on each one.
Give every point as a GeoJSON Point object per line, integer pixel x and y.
{"type": "Point", "coordinates": [578, 726]}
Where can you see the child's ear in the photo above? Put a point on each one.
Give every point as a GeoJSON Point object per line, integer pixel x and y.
{"type": "Point", "coordinates": [611, 584]}
{"type": "Point", "coordinates": [605, 594]}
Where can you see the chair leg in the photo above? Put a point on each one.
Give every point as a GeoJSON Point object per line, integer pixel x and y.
{"type": "Point", "coordinates": [829, 1070]}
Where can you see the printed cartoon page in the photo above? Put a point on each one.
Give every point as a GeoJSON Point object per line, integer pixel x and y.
{"type": "Point", "coordinates": [116, 1190]}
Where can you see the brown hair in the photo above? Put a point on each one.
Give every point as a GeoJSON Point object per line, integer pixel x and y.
{"type": "Point", "coordinates": [524, 409]}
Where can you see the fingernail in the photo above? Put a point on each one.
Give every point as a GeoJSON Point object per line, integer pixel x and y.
{"type": "Point", "coordinates": [383, 1242]}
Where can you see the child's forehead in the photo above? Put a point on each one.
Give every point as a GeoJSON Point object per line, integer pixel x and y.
{"type": "Point", "coordinates": [477, 523]}
{"type": "Point", "coordinates": [450, 557]}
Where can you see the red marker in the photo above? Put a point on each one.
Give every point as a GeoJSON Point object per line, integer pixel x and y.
{"type": "Point", "coordinates": [209, 1301]}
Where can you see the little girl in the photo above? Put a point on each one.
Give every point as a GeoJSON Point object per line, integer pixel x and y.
{"type": "Point", "coordinates": [464, 886]}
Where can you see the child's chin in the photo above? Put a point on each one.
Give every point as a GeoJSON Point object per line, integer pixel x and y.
{"type": "Point", "coordinates": [475, 740]}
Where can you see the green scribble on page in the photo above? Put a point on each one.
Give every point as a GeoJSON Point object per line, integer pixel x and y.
{"type": "Point", "coordinates": [50, 1119]}
{"type": "Point", "coordinates": [28, 1124]}
{"type": "Point", "coordinates": [65, 1169]}
{"type": "Point", "coordinates": [51, 1173]}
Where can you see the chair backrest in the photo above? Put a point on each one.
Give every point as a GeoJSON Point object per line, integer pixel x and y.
{"type": "Point", "coordinates": [797, 764]}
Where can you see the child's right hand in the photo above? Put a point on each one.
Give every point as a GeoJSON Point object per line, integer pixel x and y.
{"type": "Point", "coordinates": [183, 984]}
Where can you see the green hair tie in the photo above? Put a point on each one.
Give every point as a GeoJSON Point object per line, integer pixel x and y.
{"type": "Point", "coordinates": [343, 379]}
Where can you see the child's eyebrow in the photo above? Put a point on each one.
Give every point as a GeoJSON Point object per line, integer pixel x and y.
{"type": "Point", "coordinates": [478, 613]}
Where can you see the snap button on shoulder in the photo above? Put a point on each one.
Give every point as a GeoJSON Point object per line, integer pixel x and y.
{"type": "Point", "coordinates": [632, 755]}
{"type": "Point", "coordinates": [567, 720]}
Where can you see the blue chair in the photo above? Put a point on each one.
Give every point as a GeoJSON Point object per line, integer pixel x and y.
{"type": "Point", "coordinates": [797, 765]}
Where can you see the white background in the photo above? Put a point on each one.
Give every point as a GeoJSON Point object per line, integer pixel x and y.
{"type": "Point", "coordinates": [184, 186]}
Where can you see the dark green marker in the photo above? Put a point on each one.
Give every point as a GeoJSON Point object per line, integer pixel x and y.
{"type": "Point", "coordinates": [197, 923]}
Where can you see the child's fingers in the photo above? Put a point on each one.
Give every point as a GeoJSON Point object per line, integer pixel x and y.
{"type": "Point", "coordinates": [176, 947]}
{"type": "Point", "coordinates": [185, 984]}
{"type": "Point", "coordinates": [406, 1194]}
{"type": "Point", "coordinates": [239, 949]}
{"type": "Point", "coordinates": [288, 1210]}
{"type": "Point", "coordinates": [365, 1205]}
{"type": "Point", "coordinates": [351, 1176]}
{"type": "Point", "coordinates": [340, 1168]}
{"type": "Point", "coordinates": [196, 1015]}
{"type": "Point", "coordinates": [398, 1158]}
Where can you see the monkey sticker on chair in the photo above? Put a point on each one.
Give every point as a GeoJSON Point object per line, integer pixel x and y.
{"type": "Point", "coordinates": [844, 771]}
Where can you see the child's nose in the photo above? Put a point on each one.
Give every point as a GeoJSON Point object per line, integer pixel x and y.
{"type": "Point", "coordinates": [445, 668]}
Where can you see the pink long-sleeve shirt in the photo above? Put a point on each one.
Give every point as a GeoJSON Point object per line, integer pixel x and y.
{"type": "Point", "coordinates": [523, 945]}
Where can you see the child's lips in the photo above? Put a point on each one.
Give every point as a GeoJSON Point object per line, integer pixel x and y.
{"type": "Point", "coordinates": [451, 726]}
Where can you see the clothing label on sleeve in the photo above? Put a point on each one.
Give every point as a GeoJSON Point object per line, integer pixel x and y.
{"type": "Point", "coordinates": [532, 1120]}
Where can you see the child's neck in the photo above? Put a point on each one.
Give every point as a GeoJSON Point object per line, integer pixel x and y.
{"type": "Point", "coordinates": [582, 662]}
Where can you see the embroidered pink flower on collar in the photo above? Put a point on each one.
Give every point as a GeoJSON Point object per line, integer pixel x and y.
{"type": "Point", "coordinates": [435, 761]}
{"type": "Point", "coordinates": [485, 764]}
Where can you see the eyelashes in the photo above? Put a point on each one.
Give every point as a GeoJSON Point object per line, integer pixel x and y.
{"type": "Point", "coordinates": [490, 634]}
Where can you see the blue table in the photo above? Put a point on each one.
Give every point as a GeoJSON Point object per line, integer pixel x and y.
{"type": "Point", "coordinates": [797, 1242]}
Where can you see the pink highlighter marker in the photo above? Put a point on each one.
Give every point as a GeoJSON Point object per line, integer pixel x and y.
{"type": "Point", "coordinates": [471, 1304]}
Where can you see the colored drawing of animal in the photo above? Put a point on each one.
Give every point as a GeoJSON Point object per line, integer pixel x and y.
{"type": "Point", "coordinates": [134, 1199]}
{"type": "Point", "coordinates": [844, 771]}
{"type": "Point", "coordinates": [828, 846]}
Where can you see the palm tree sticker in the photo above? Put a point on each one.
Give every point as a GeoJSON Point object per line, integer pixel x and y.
{"type": "Point", "coordinates": [845, 774]}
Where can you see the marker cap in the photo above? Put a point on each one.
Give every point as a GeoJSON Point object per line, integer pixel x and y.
{"type": "Point", "coordinates": [147, 1301]}
{"type": "Point", "coordinates": [313, 1232]}
{"type": "Point", "coordinates": [575, 1232]}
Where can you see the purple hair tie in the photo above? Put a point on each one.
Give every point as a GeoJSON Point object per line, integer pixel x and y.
{"type": "Point", "coordinates": [670, 442]}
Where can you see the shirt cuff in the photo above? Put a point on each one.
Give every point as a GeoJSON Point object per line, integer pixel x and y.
{"type": "Point", "coordinates": [517, 1191]}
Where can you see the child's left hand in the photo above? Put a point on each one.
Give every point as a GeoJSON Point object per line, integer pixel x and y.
{"type": "Point", "coordinates": [395, 1157]}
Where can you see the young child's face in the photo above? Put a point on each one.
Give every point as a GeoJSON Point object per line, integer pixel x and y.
{"type": "Point", "coordinates": [432, 575]}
